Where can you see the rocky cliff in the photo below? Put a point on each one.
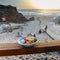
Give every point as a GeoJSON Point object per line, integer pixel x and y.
{"type": "Point", "coordinates": [10, 14]}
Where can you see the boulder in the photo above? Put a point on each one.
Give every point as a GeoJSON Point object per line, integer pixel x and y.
{"type": "Point", "coordinates": [32, 18]}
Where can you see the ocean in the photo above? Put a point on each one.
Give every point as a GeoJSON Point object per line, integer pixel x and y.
{"type": "Point", "coordinates": [50, 19]}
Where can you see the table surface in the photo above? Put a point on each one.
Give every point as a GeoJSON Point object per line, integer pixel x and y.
{"type": "Point", "coordinates": [7, 49]}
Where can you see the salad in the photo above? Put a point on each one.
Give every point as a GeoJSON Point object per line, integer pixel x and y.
{"type": "Point", "coordinates": [28, 40]}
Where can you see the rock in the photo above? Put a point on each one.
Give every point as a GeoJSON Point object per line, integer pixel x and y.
{"type": "Point", "coordinates": [10, 14]}
{"type": "Point", "coordinates": [21, 18]}
{"type": "Point", "coordinates": [32, 18]}
{"type": "Point", "coordinates": [57, 20]}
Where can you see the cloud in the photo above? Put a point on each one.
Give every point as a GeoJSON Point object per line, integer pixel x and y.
{"type": "Point", "coordinates": [18, 3]}
{"type": "Point", "coordinates": [24, 4]}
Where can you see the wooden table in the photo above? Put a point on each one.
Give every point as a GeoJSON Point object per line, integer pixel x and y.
{"type": "Point", "coordinates": [7, 49]}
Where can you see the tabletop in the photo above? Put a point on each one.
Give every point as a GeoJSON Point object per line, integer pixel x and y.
{"type": "Point", "coordinates": [8, 49]}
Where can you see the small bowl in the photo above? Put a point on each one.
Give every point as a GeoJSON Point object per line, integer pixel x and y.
{"type": "Point", "coordinates": [26, 45]}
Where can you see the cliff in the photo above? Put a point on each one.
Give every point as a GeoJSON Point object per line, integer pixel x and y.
{"type": "Point", "coordinates": [10, 14]}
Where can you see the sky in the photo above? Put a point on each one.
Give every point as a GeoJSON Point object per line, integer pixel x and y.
{"type": "Point", "coordinates": [33, 4]}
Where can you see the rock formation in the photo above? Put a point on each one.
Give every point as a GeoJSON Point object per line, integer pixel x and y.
{"type": "Point", "coordinates": [10, 14]}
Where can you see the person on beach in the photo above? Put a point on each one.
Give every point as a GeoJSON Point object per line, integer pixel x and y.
{"type": "Point", "coordinates": [46, 28]}
{"type": "Point", "coordinates": [40, 31]}
{"type": "Point", "coordinates": [34, 35]}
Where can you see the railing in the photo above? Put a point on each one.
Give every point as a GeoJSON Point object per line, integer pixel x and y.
{"type": "Point", "coordinates": [8, 49]}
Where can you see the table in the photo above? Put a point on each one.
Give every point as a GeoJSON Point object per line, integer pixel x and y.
{"type": "Point", "coordinates": [8, 49]}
